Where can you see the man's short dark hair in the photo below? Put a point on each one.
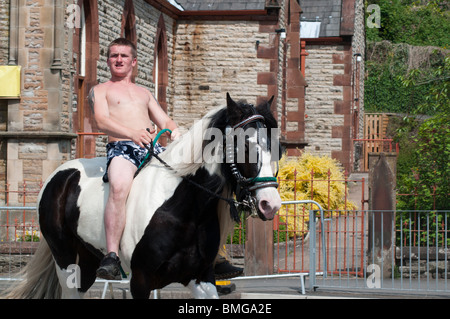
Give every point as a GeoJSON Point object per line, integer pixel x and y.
{"type": "Point", "coordinates": [124, 42]}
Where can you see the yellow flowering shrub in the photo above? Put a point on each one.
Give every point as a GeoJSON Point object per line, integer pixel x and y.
{"type": "Point", "coordinates": [327, 187]}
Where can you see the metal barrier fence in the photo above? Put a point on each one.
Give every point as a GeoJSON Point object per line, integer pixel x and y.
{"type": "Point", "coordinates": [401, 251]}
{"type": "Point", "coordinates": [19, 238]}
{"type": "Point", "coordinates": [390, 251]}
{"type": "Point", "coordinates": [311, 272]}
{"type": "Point", "coordinates": [338, 234]}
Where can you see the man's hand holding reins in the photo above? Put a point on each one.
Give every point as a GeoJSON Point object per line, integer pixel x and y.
{"type": "Point", "coordinates": [143, 137]}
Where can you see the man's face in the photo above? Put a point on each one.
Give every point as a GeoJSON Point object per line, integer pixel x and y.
{"type": "Point", "coordinates": [120, 60]}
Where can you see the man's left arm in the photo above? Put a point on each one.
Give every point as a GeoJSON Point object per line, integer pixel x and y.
{"type": "Point", "coordinates": [161, 119]}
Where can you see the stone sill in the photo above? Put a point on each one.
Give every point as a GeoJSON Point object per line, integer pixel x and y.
{"type": "Point", "coordinates": [38, 135]}
{"type": "Point", "coordinates": [294, 143]}
{"type": "Point", "coordinates": [18, 248]}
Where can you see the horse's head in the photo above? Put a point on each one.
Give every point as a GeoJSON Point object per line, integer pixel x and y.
{"type": "Point", "coordinates": [252, 151]}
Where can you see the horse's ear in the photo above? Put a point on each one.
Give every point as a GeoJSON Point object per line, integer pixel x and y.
{"type": "Point", "coordinates": [265, 106]}
{"type": "Point", "coordinates": [233, 110]}
{"type": "Point", "coordinates": [230, 102]}
{"type": "Point", "coordinates": [265, 110]}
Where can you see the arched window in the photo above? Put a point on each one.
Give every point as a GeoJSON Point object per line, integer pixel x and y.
{"type": "Point", "coordinates": [129, 22]}
{"type": "Point", "coordinates": [128, 28]}
{"type": "Point", "coordinates": [82, 41]}
{"type": "Point", "coordinates": [86, 50]}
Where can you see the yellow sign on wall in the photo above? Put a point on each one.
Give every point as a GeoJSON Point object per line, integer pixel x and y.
{"type": "Point", "coordinates": [9, 81]}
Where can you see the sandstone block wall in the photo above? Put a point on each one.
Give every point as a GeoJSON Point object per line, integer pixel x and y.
{"type": "Point", "coordinates": [36, 129]}
{"type": "Point", "coordinates": [212, 58]}
{"type": "Point", "coordinates": [321, 95]}
{"type": "Point", "coordinates": [206, 59]}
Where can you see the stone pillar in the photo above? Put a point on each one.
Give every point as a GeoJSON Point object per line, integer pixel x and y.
{"type": "Point", "coordinates": [259, 247]}
{"type": "Point", "coordinates": [382, 183]}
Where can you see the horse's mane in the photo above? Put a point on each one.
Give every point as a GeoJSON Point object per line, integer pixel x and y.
{"type": "Point", "coordinates": [186, 156]}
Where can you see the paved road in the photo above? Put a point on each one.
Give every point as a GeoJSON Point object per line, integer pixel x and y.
{"type": "Point", "coordinates": [278, 288]}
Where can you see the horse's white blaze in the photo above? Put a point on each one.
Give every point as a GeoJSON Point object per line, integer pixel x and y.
{"type": "Point", "coordinates": [267, 199]}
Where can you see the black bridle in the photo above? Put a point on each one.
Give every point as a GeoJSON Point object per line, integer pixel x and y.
{"type": "Point", "coordinates": [244, 186]}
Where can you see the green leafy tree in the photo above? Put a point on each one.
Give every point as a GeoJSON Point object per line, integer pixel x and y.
{"type": "Point", "coordinates": [413, 22]}
{"type": "Point", "coordinates": [428, 171]}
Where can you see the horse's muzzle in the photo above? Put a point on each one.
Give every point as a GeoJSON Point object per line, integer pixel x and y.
{"type": "Point", "coordinates": [269, 202]}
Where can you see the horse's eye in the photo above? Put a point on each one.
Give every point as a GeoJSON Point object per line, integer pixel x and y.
{"type": "Point", "coordinates": [274, 166]}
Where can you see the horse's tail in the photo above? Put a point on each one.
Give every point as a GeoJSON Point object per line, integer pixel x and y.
{"type": "Point", "coordinates": [38, 279]}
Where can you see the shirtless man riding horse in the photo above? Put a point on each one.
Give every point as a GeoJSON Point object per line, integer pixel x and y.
{"type": "Point", "coordinates": [125, 112]}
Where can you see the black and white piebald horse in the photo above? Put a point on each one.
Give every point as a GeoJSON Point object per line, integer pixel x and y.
{"type": "Point", "coordinates": [174, 216]}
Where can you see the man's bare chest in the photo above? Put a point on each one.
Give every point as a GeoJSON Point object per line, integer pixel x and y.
{"type": "Point", "coordinates": [123, 98]}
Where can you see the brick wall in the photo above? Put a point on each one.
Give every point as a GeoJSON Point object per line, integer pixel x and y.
{"type": "Point", "coordinates": [321, 95]}
{"type": "Point", "coordinates": [4, 52]}
{"type": "Point", "coordinates": [329, 100]}
{"type": "Point", "coordinates": [36, 128]}
{"type": "Point", "coordinates": [334, 97]}
{"type": "Point", "coordinates": [211, 59]}
{"type": "Point", "coordinates": [207, 59]}
{"type": "Point", "coordinates": [293, 84]}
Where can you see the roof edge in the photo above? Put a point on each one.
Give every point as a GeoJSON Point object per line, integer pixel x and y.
{"type": "Point", "coordinates": [225, 15]}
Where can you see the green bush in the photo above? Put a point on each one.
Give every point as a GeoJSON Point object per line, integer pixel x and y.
{"type": "Point", "coordinates": [424, 163]}
{"type": "Point", "coordinates": [389, 66]}
{"type": "Point", "coordinates": [405, 21]}
{"type": "Point", "coordinates": [414, 35]}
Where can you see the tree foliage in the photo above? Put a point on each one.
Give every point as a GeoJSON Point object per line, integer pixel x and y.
{"type": "Point", "coordinates": [425, 168]}
{"type": "Point", "coordinates": [408, 72]}
{"type": "Point", "coordinates": [419, 23]}
{"type": "Point", "coordinates": [413, 35]}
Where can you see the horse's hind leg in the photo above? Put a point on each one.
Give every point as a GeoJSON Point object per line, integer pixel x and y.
{"type": "Point", "coordinates": [76, 277]}
{"type": "Point", "coordinates": [69, 281]}
{"type": "Point", "coordinates": [88, 263]}
{"type": "Point", "coordinates": [58, 218]}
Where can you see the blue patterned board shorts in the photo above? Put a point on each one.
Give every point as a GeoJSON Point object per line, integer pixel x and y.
{"type": "Point", "coordinates": [129, 151]}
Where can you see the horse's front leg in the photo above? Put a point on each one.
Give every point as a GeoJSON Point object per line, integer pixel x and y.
{"type": "Point", "coordinates": [203, 290]}
{"type": "Point", "coordinates": [140, 285]}
{"type": "Point", "coordinates": [204, 287]}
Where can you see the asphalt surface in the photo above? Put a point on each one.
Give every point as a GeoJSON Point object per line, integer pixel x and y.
{"type": "Point", "coordinates": [277, 288]}
{"type": "Point", "coordinates": [273, 288]}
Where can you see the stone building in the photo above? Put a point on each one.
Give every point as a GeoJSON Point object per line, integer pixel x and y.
{"type": "Point", "coordinates": [190, 53]}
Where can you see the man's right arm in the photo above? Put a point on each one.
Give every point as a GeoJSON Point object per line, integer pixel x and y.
{"type": "Point", "coordinates": [99, 105]}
